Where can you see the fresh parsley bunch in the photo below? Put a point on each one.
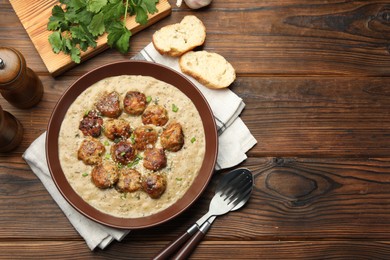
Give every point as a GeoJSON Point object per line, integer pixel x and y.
{"type": "Point", "coordinates": [76, 24]}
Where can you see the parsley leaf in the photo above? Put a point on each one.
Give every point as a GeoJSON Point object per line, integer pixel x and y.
{"type": "Point", "coordinates": [81, 33]}
{"type": "Point", "coordinates": [141, 15]}
{"type": "Point", "coordinates": [56, 41]}
{"type": "Point", "coordinates": [75, 55]}
{"type": "Point", "coordinates": [95, 5]}
{"type": "Point", "coordinates": [150, 6]}
{"type": "Point", "coordinates": [75, 4]}
{"type": "Point", "coordinates": [113, 11]}
{"type": "Point", "coordinates": [57, 20]}
{"type": "Point", "coordinates": [118, 37]}
{"type": "Point", "coordinates": [96, 27]}
{"type": "Point", "coordinates": [122, 44]}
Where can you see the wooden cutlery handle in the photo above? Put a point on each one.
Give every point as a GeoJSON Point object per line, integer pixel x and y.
{"type": "Point", "coordinates": [174, 245]}
{"type": "Point", "coordinates": [187, 249]}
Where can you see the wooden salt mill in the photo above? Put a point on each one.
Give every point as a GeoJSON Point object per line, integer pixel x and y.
{"type": "Point", "coordinates": [19, 85]}
{"type": "Point", "coordinates": [11, 131]}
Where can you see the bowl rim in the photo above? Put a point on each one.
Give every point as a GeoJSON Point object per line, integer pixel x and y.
{"type": "Point", "coordinates": [132, 67]}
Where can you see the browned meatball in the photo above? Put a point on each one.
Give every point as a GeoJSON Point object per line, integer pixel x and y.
{"type": "Point", "coordinates": [105, 175]}
{"type": "Point", "coordinates": [116, 128]}
{"type": "Point", "coordinates": [109, 104]}
{"type": "Point", "coordinates": [145, 137]}
{"type": "Point", "coordinates": [155, 115]}
{"type": "Point", "coordinates": [129, 180]}
{"type": "Point", "coordinates": [123, 152]}
{"type": "Point", "coordinates": [91, 124]}
{"type": "Point", "coordinates": [134, 103]}
{"type": "Point", "coordinates": [154, 185]}
{"type": "Point", "coordinates": [155, 159]}
{"type": "Point", "coordinates": [172, 138]}
{"type": "Point", "coordinates": [90, 151]}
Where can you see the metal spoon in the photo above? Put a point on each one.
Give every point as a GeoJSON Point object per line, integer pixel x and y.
{"type": "Point", "coordinates": [232, 192]}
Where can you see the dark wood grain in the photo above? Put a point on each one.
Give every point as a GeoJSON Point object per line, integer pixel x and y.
{"type": "Point", "coordinates": [315, 79]}
{"type": "Point", "coordinates": [345, 249]}
{"type": "Point", "coordinates": [295, 38]}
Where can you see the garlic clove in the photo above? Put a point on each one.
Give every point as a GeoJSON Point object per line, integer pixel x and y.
{"type": "Point", "coordinates": [196, 4]}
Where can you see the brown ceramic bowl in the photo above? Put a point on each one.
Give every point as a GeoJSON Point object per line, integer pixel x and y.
{"type": "Point", "coordinates": [132, 68]}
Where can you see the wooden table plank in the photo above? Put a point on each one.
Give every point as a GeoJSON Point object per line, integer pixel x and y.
{"type": "Point", "coordinates": [346, 249]}
{"type": "Point", "coordinates": [321, 116]}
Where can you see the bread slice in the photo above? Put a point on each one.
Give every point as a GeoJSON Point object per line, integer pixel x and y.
{"type": "Point", "coordinates": [209, 68]}
{"type": "Point", "coordinates": [177, 39]}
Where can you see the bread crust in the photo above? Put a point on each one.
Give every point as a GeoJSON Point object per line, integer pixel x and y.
{"type": "Point", "coordinates": [177, 39]}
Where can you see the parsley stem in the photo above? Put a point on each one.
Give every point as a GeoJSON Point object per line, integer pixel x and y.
{"type": "Point", "coordinates": [124, 18]}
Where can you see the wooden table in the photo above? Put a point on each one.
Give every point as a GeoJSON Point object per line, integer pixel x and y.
{"type": "Point", "coordinates": [315, 79]}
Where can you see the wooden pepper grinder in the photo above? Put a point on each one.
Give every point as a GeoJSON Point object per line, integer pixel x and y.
{"type": "Point", "coordinates": [19, 85]}
{"type": "Point", "coordinates": [11, 131]}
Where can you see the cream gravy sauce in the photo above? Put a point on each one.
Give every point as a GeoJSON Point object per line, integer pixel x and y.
{"type": "Point", "coordinates": [182, 166]}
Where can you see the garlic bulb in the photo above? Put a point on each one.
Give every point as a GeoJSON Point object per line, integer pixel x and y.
{"type": "Point", "coordinates": [194, 4]}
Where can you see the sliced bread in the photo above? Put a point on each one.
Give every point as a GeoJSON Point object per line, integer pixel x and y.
{"type": "Point", "coordinates": [209, 68]}
{"type": "Point", "coordinates": [177, 39]}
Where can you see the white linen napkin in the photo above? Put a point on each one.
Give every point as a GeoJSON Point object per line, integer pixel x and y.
{"type": "Point", "coordinates": [234, 140]}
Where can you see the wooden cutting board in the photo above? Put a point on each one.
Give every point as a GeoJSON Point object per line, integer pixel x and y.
{"type": "Point", "coordinates": [34, 15]}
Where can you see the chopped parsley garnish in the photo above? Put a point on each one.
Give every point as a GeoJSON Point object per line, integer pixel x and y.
{"type": "Point", "coordinates": [132, 138]}
{"type": "Point", "coordinates": [193, 139]}
{"type": "Point", "coordinates": [87, 112]}
{"type": "Point", "coordinates": [135, 162]}
{"type": "Point", "coordinates": [148, 99]}
{"type": "Point", "coordinates": [174, 108]}
{"type": "Point", "coordinates": [106, 143]}
{"type": "Point", "coordinates": [85, 174]}
{"type": "Point", "coordinates": [123, 195]}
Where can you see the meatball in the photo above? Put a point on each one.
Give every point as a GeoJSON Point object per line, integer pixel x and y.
{"type": "Point", "coordinates": [109, 104]}
{"type": "Point", "coordinates": [134, 103]}
{"type": "Point", "coordinates": [90, 151]}
{"type": "Point", "coordinates": [156, 115]}
{"type": "Point", "coordinates": [105, 175]}
{"type": "Point", "coordinates": [155, 159]}
{"type": "Point", "coordinates": [172, 138]}
{"type": "Point", "coordinates": [145, 137]}
{"type": "Point", "coordinates": [116, 128]}
{"type": "Point", "coordinates": [154, 185]}
{"type": "Point", "coordinates": [123, 152]}
{"type": "Point", "coordinates": [91, 124]}
{"type": "Point", "coordinates": [129, 180]}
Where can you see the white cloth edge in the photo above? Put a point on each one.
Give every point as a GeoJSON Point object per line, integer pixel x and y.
{"type": "Point", "coordinates": [237, 145]}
